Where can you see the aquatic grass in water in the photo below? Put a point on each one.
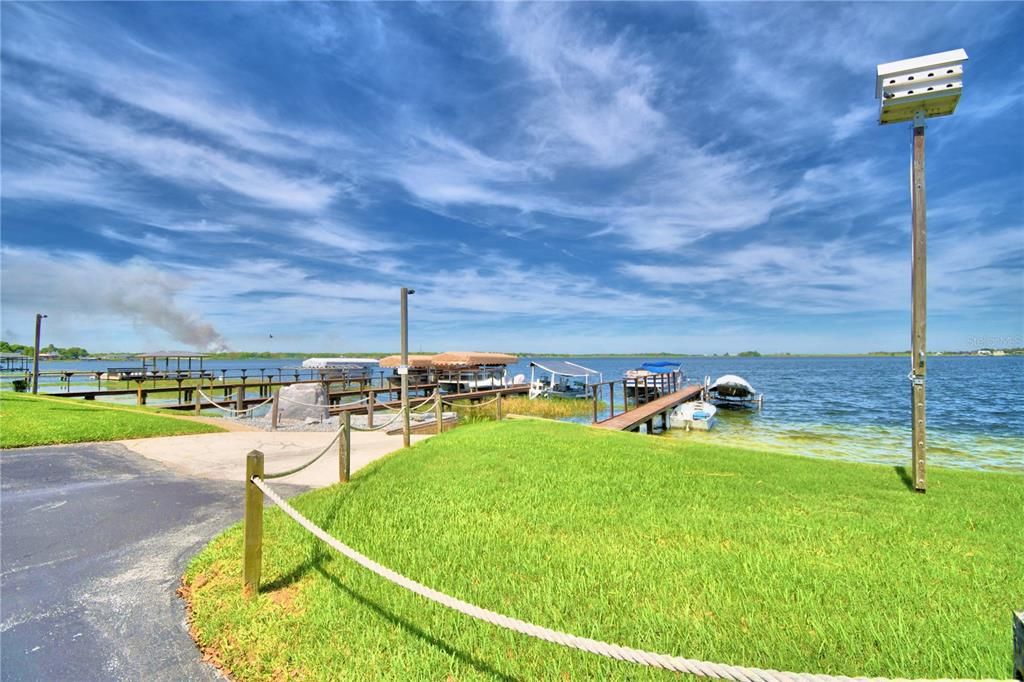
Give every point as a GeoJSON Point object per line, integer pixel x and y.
{"type": "Point", "coordinates": [548, 408]}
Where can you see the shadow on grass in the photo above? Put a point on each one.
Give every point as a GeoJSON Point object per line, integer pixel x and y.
{"type": "Point", "coordinates": [904, 475]}
{"type": "Point", "coordinates": [317, 551]}
{"type": "Point", "coordinates": [320, 552]}
{"type": "Point", "coordinates": [416, 631]}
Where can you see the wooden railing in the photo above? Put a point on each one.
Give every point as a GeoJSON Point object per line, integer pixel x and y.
{"type": "Point", "coordinates": [644, 389]}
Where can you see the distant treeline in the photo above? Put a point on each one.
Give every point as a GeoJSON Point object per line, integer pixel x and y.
{"type": "Point", "coordinates": [72, 353]}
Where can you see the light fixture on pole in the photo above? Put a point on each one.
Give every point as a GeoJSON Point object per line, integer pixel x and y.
{"type": "Point", "coordinates": [913, 90]}
{"type": "Point", "coordinates": [35, 355]}
{"type": "Point", "coordinates": [403, 370]}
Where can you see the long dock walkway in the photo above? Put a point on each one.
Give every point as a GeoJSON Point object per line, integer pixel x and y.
{"type": "Point", "coordinates": [631, 420]}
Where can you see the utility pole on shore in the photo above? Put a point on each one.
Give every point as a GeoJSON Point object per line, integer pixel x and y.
{"type": "Point", "coordinates": [35, 356]}
{"type": "Point", "coordinates": [403, 370]}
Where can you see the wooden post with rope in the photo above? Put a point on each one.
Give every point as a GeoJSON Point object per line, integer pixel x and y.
{"type": "Point", "coordinates": [497, 406]}
{"type": "Point", "coordinates": [345, 448]}
{"type": "Point", "coordinates": [198, 400]}
{"type": "Point", "coordinates": [240, 400]}
{"type": "Point", "coordinates": [370, 398]}
{"type": "Point", "coordinates": [253, 525]}
{"type": "Point", "coordinates": [438, 411]}
{"type": "Point", "coordinates": [274, 407]}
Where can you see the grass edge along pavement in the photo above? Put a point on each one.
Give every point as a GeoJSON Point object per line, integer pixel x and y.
{"type": "Point", "coordinates": [723, 554]}
{"type": "Point", "coordinates": [33, 420]}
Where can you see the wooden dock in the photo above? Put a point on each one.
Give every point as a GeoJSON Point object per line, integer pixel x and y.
{"type": "Point", "coordinates": [646, 413]}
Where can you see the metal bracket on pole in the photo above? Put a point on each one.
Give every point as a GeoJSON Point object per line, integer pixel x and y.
{"type": "Point", "coordinates": [919, 119]}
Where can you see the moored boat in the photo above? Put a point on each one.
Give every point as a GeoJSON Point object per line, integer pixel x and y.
{"type": "Point", "coordinates": [734, 390]}
{"type": "Point", "coordinates": [653, 380]}
{"type": "Point", "coordinates": [696, 415]}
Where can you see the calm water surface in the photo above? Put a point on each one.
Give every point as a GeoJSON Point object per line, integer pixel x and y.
{"type": "Point", "coordinates": [845, 408]}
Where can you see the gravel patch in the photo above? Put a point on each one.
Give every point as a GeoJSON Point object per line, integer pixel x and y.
{"type": "Point", "coordinates": [359, 421]}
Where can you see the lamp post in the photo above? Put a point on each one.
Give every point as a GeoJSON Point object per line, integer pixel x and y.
{"type": "Point", "coordinates": [913, 90]}
{"type": "Point", "coordinates": [35, 356]}
{"type": "Point", "coordinates": [403, 370]}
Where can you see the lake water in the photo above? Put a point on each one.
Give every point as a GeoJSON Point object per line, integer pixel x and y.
{"type": "Point", "coordinates": [846, 408]}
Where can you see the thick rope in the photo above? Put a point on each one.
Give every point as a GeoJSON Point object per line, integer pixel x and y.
{"type": "Point", "coordinates": [231, 409]}
{"type": "Point", "coordinates": [471, 405]}
{"type": "Point", "coordinates": [426, 405]}
{"type": "Point", "coordinates": [303, 466]}
{"type": "Point", "coordinates": [664, 661]}
{"type": "Point", "coordinates": [299, 402]}
{"type": "Point", "coordinates": [397, 416]}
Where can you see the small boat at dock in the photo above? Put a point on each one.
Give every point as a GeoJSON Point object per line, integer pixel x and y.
{"type": "Point", "coordinates": [735, 391]}
{"type": "Point", "coordinates": [653, 380]}
{"type": "Point", "coordinates": [696, 415]}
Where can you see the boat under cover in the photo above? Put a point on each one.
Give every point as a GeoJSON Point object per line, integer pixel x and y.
{"type": "Point", "coordinates": [732, 386]}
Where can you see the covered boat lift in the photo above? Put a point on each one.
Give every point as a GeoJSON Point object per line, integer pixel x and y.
{"type": "Point", "coordinates": [563, 380]}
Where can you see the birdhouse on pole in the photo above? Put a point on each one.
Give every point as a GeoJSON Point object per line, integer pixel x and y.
{"type": "Point", "coordinates": [922, 87]}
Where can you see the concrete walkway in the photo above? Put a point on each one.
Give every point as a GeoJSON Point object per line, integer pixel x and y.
{"type": "Point", "coordinates": [96, 537]}
{"type": "Point", "coordinates": [221, 456]}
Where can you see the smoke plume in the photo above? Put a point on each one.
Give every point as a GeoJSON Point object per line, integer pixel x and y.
{"type": "Point", "coordinates": [87, 288]}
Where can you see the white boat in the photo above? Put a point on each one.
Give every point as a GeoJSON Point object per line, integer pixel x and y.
{"type": "Point", "coordinates": [694, 416]}
{"type": "Point", "coordinates": [734, 390]}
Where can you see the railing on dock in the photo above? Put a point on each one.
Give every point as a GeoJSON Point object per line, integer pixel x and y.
{"type": "Point", "coordinates": [644, 389]}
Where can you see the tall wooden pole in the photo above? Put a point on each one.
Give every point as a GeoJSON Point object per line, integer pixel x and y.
{"type": "Point", "coordinates": [35, 356]}
{"type": "Point", "coordinates": [405, 367]}
{"type": "Point", "coordinates": [918, 291]}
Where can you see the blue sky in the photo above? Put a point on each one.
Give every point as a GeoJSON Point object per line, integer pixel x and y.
{"type": "Point", "coordinates": [701, 178]}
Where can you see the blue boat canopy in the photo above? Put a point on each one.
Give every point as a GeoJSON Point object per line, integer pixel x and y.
{"type": "Point", "coordinates": [660, 367]}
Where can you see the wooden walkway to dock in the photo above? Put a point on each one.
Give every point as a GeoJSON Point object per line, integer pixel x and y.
{"type": "Point", "coordinates": [645, 413]}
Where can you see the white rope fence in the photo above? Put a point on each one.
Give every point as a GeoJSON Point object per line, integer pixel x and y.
{"type": "Point", "coordinates": [398, 415]}
{"type": "Point", "coordinates": [299, 402]}
{"type": "Point", "coordinates": [471, 405]}
{"type": "Point", "coordinates": [232, 409]}
{"type": "Point", "coordinates": [664, 661]}
{"type": "Point", "coordinates": [299, 468]}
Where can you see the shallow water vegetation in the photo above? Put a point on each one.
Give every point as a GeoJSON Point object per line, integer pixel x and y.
{"type": "Point", "coordinates": [549, 408]}
{"type": "Point", "coordinates": [692, 549]}
{"type": "Point", "coordinates": [27, 420]}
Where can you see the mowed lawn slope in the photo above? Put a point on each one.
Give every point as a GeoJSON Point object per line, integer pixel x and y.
{"type": "Point", "coordinates": [40, 420]}
{"type": "Point", "coordinates": [708, 552]}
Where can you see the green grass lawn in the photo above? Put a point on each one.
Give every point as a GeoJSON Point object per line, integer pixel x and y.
{"type": "Point", "coordinates": [695, 550]}
{"type": "Point", "coordinates": [40, 420]}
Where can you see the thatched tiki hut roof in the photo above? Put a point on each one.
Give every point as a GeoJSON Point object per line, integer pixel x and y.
{"type": "Point", "coordinates": [472, 359]}
{"type": "Point", "coordinates": [415, 361]}
{"type": "Point", "coordinates": [451, 359]}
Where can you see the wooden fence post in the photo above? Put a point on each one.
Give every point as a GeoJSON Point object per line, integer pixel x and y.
{"type": "Point", "coordinates": [497, 406]}
{"type": "Point", "coordinates": [611, 398]}
{"type": "Point", "coordinates": [370, 397]}
{"type": "Point", "coordinates": [253, 530]}
{"type": "Point", "coordinates": [240, 400]}
{"type": "Point", "coordinates": [275, 405]}
{"type": "Point", "coordinates": [593, 390]}
{"type": "Point", "coordinates": [198, 400]}
{"type": "Point", "coordinates": [345, 448]}
{"type": "Point", "coordinates": [438, 411]}
{"type": "Point", "coordinates": [140, 397]}
{"type": "Point", "coordinates": [1018, 645]}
